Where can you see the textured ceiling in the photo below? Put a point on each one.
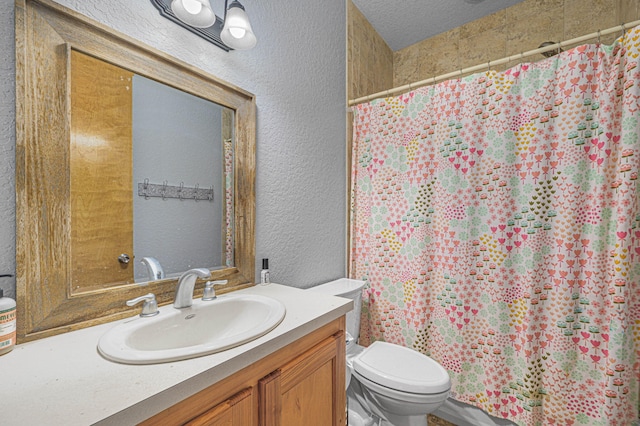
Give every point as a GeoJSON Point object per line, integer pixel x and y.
{"type": "Point", "coordinates": [402, 23]}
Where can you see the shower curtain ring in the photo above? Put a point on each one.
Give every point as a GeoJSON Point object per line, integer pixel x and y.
{"type": "Point", "coordinates": [598, 37]}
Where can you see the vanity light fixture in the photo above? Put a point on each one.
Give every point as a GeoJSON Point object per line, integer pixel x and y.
{"type": "Point", "coordinates": [233, 31]}
{"type": "Point", "coordinates": [237, 32]}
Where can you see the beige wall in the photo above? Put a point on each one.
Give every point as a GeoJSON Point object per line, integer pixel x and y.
{"type": "Point", "coordinates": [369, 59]}
{"type": "Point", "coordinates": [516, 29]}
{"type": "Point", "coordinates": [372, 66]}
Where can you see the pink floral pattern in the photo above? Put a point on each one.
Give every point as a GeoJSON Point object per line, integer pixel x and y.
{"type": "Point", "coordinates": [496, 222]}
{"type": "Point", "coordinates": [228, 200]}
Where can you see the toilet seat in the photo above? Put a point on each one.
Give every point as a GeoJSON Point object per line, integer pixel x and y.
{"type": "Point", "coordinates": [401, 396]}
{"type": "Point", "coordinates": [401, 369]}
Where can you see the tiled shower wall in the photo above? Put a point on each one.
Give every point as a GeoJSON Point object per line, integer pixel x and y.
{"type": "Point", "coordinates": [372, 66]}
{"type": "Point", "coordinates": [508, 32]}
{"type": "Point", "coordinates": [369, 59]}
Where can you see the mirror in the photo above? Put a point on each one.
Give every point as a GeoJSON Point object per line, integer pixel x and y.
{"type": "Point", "coordinates": [134, 144]}
{"type": "Point", "coordinates": [133, 180]}
{"type": "Point", "coordinates": [180, 143]}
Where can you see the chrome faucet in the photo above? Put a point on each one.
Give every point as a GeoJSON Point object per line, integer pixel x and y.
{"type": "Point", "coordinates": [154, 269]}
{"type": "Point", "coordinates": [186, 284]}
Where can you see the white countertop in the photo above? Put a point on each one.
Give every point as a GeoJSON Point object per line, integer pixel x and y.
{"type": "Point", "coordinates": [62, 380]}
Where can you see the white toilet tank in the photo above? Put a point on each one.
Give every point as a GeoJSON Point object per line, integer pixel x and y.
{"type": "Point", "coordinates": [350, 289]}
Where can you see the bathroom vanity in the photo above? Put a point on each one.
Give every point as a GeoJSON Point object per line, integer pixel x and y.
{"type": "Point", "coordinates": [295, 374]}
{"type": "Point", "coordinates": [305, 390]}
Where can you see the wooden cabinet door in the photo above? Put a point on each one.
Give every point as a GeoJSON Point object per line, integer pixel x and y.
{"type": "Point", "coordinates": [309, 390]}
{"type": "Point", "coordinates": [235, 411]}
{"type": "Point", "coordinates": [303, 390]}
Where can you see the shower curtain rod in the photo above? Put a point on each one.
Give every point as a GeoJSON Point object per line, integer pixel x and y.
{"type": "Point", "coordinates": [488, 65]}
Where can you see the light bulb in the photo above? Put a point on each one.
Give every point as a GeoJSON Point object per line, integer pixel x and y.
{"type": "Point", "coordinates": [192, 6]}
{"type": "Point", "coordinates": [195, 13]}
{"type": "Point", "coordinates": [237, 32]}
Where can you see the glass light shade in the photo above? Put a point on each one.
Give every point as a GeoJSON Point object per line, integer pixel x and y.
{"type": "Point", "coordinates": [196, 13]}
{"type": "Point", "coordinates": [237, 32]}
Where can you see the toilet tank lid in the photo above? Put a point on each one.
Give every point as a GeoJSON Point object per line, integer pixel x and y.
{"type": "Point", "coordinates": [401, 368]}
{"type": "Point", "coordinates": [343, 287]}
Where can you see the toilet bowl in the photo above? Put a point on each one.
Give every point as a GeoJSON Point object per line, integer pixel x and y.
{"type": "Point", "coordinates": [387, 384]}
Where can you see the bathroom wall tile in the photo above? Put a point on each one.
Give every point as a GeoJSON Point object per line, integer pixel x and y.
{"type": "Point", "coordinates": [493, 21]}
{"type": "Point", "coordinates": [628, 10]}
{"type": "Point", "coordinates": [446, 58]}
{"type": "Point", "coordinates": [370, 60]}
{"type": "Point", "coordinates": [483, 47]}
{"type": "Point", "coordinates": [581, 19]}
{"type": "Point", "coordinates": [531, 8]}
{"type": "Point", "coordinates": [441, 54]}
{"type": "Point", "coordinates": [519, 28]}
{"type": "Point", "coordinates": [528, 32]}
{"type": "Point", "coordinates": [406, 64]}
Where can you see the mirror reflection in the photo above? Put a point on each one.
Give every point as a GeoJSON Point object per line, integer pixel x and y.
{"type": "Point", "coordinates": [151, 178]}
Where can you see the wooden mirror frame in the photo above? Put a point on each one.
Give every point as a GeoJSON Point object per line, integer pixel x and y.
{"type": "Point", "coordinates": [45, 35]}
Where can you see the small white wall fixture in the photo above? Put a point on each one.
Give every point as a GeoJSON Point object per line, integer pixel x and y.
{"type": "Point", "coordinates": [232, 32]}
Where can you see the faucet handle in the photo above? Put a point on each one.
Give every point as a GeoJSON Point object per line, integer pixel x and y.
{"type": "Point", "coordinates": [149, 305]}
{"type": "Point", "coordinates": [209, 292]}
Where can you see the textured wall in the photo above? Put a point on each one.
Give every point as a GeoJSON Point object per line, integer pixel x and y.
{"type": "Point", "coordinates": [297, 73]}
{"type": "Point", "coordinates": [7, 147]}
{"type": "Point", "coordinates": [515, 29]}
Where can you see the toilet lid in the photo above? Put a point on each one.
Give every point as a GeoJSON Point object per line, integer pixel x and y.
{"type": "Point", "coordinates": [401, 368]}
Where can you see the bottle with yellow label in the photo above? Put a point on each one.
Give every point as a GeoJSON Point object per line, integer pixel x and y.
{"type": "Point", "coordinates": [7, 323]}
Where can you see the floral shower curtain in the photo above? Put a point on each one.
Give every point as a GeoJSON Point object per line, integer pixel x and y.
{"type": "Point", "coordinates": [496, 222]}
{"type": "Point", "coordinates": [227, 146]}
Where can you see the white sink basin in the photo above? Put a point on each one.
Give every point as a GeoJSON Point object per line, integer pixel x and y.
{"type": "Point", "coordinates": [202, 329]}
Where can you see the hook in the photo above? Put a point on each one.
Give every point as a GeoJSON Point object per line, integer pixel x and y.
{"type": "Point", "coordinates": [195, 192]}
{"type": "Point", "coordinates": [145, 188]}
{"type": "Point", "coordinates": [163, 191]}
{"type": "Point", "coordinates": [211, 193]}
{"type": "Point", "coordinates": [180, 190]}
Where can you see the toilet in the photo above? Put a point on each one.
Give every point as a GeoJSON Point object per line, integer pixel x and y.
{"type": "Point", "coordinates": [387, 384]}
